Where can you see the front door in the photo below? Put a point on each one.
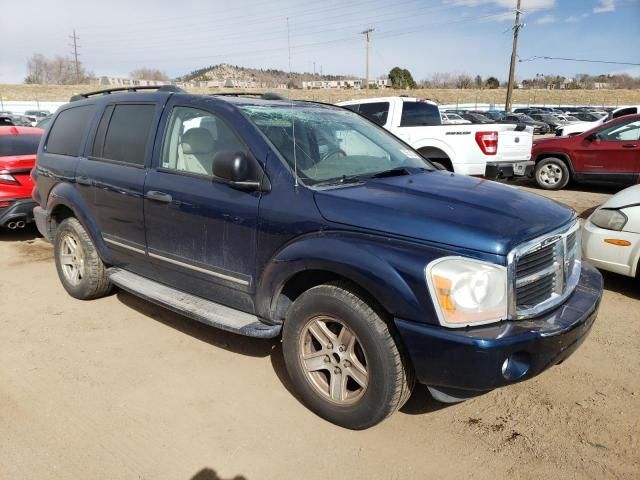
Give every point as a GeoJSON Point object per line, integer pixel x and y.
{"type": "Point", "coordinates": [201, 233]}
{"type": "Point", "coordinates": [613, 154]}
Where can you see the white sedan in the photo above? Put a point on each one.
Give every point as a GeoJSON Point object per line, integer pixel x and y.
{"type": "Point", "coordinates": [611, 235]}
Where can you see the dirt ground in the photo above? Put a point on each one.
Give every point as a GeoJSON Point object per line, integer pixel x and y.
{"type": "Point", "coordinates": [118, 388]}
{"type": "Point", "coordinates": [62, 93]}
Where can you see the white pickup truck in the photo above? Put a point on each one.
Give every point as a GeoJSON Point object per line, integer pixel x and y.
{"type": "Point", "coordinates": [491, 150]}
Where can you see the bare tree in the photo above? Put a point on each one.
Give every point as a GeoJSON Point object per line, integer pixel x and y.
{"type": "Point", "coordinates": [145, 73]}
{"type": "Point", "coordinates": [58, 70]}
{"type": "Point", "coordinates": [464, 81]}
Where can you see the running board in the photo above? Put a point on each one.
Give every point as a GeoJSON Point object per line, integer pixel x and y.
{"type": "Point", "coordinates": [205, 311]}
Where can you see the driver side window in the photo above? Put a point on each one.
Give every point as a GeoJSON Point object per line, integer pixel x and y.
{"type": "Point", "coordinates": [192, 140]}
{"type": "Point", "coordinates": [621, 132]}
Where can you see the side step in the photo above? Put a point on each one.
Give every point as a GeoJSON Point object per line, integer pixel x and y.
{"type": "Point", "coordinates": [197, 308]}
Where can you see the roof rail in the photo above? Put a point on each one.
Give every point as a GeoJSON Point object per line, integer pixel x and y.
{"type": "Point", "coordinates": [263, 96]}
{"type": "Point", "coordinates": [108, 91]}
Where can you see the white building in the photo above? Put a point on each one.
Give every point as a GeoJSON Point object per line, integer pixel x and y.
{"type": "Point", "coordinates": [354, 83]}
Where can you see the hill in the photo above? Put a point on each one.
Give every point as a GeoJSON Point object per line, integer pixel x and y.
{"type": "Point", "coordinates": [225, 75]}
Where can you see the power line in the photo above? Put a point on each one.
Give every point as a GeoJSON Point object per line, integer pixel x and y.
{"type": "Point", "coordinates": [366, 76]}
{"type": "Point", "coordinates": [577, 60]}
{"type": "Point", "coordinates": [75, 47]}
{"type": "Point", "coordinates": [514, 54]}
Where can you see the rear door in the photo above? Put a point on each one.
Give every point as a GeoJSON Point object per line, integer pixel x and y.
{"type": "Point", "coordinates": [113, 177]}
{"type": "Point", "coordinates": [614, 155]}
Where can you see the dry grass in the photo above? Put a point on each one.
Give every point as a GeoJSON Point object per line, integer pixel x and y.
{"type": "Point", "coordinates": [22, 92]}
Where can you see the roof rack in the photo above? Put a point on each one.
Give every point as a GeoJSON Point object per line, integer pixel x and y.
{"type": "Point", "coordinates": [263, 96]}
{"type": "Point", "coordinates": [108, 91]}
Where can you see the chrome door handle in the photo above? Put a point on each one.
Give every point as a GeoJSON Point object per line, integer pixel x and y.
{"type": "Point", "coordinates": [159, 196]}
{"type": "Point", "coordinates": [629, 145]}
{"type": "Point", "coordinates": [84, 181]}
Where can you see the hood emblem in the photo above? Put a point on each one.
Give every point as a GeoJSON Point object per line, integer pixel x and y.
{"type": "Point", "coordinates": [517, 140]}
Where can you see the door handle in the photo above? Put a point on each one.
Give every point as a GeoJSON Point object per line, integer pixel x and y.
{"type": "Point", "coordinates": [629, 145]}
{"type": "Point", "coordinates": [159, 196]}
{"type": "Point", "coordinates": [84, 181]}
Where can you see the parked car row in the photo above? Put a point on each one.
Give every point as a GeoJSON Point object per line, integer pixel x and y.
{"type": "Point", "coordinates": [30, 118]}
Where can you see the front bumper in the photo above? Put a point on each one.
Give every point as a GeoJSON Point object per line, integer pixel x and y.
{"type": "Point", "coordinates": [21, 209]}
{"type": "Point", "coordinates": [510, 169]}
{"type": "Point", "coordinates": [465, 362]}
{"type": "Point", "coordinates": [606, 256]}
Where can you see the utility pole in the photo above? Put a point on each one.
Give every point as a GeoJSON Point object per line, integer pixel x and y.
{"type": "Point", "coordinates": [75, 39]}
{"type": "Point", "coordinates": [514, 54]}
{"type": "Point", "coordinates": [366, 34]}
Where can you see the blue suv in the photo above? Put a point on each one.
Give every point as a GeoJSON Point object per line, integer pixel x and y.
{"type": "Point", "coordinates": [275, 218]}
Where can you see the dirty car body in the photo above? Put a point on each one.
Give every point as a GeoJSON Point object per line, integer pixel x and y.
{"type": "Point", "coordinates": [330, 209]}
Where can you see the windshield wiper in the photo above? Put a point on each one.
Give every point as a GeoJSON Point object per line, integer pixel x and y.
{"type": "Point", "coordinates": [348, 179]}
{"type": "Point", "coordinates": [344, 179]}
{"type": "Point", "coordinates": [392, 172]}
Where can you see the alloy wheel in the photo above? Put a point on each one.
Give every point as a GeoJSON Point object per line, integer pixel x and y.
{"type": "Point", "coordinates": [333, 359]}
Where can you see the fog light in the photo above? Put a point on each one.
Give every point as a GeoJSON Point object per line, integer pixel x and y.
{"type": "Point", "coordinates": [515, 366]}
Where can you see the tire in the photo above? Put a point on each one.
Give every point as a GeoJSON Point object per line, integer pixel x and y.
{"type": "Point", "coordinates": [552, 173]}
{"type": "Point", "coordinates": [80, 269]}
{"type": "Point", "coordinates": [371, 356]}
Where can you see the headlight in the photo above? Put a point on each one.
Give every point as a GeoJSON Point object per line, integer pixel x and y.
{"type": "Point", "coordinates": [467, 292]}
{"type": "Point", "coordinates": [609, 219]}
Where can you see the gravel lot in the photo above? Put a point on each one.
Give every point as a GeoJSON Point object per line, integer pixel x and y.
{"type": "Point", "coordinates": [119, 388]}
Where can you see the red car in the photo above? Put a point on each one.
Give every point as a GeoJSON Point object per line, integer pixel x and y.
{"type": "Point", "coordinates": [607, 153]}
{"type": "Point", "coordinates": [18, 147]}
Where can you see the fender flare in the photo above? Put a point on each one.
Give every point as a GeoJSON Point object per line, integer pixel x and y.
{"type": "Point", "coordinates": [342, 257]}
{"type": "Point", "coordinates": [564, 156]}
{"type": "Point", "coordinates": [434, 143]}
{"type": "Point", "coordinates": [65, 194]}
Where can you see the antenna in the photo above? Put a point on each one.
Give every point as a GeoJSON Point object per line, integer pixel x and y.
{"type": "Point", "coordinates": [293, 120]}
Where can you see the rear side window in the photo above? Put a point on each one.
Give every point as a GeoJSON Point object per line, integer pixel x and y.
{"type": "Point", "coordinates": [625, 111]}
{"type": "Point", "coordinates": [68, 130]}
{"type": "Point", "coordinates": [417, 114]}
{"type": "Point", "coordinates": [123, 133]}
{"type": "Point", "coordinates": [19, 145]}
{"type": "Point", "coordinates": [376, 112]}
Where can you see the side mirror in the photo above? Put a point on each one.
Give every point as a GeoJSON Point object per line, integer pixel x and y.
{"type": "Point", "coordinates": [237, 169]}
{"type": "Point", "coordinates": [592, 137]}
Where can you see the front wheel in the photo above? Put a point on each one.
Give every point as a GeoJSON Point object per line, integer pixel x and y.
{"type": "Point", "coordinates": [343, 359]}
{"type": "Point", "coordinates": [552, 174]}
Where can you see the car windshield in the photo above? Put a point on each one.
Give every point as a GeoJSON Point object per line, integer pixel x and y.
{"type": "Point", "coordinates": [332, 146]}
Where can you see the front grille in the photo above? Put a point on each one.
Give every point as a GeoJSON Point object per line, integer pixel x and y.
{"type": "Point", "coordinates": [545, 271]}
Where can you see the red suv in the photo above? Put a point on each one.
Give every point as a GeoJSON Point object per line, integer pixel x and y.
{"type": "Point", "coordinates": [18, 147]}
{"type": "Point", "coordinates": [608, 153]}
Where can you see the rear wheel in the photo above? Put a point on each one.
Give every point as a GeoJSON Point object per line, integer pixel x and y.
{"type": "Point", "coordinates": [80, 269]}
{"type": "Point", "coordinates": [343, 359]}
{"type": "Point", "coordinates": [552, 174]}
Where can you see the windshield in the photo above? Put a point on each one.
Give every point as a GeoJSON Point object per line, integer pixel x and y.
{"type": "Point", "coordinates": [331, 145]}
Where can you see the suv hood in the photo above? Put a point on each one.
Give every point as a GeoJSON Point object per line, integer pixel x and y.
{"type": "Point", "coordinates": [445, 208]}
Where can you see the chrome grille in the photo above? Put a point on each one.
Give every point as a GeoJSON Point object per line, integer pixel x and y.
{"type": "Point", "coordinates": [544, 271]}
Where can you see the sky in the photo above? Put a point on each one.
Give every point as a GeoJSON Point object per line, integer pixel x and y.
{"type": "Point", "coordinates": [424, 36]}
